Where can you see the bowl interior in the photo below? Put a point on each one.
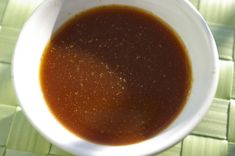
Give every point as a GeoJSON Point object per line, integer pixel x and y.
{"type": "Point", "coordinates": [179, 14]}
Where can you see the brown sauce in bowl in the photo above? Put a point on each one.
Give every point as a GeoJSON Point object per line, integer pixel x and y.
{"type": "Point", "coordinates": [115, 75]}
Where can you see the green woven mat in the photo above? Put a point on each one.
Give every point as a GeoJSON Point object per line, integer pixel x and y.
{"type": "Point", "coordinates": [214, 136]}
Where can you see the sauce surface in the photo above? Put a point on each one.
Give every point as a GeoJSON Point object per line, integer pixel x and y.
{"type": "Point", "coordinates": [115, 75]}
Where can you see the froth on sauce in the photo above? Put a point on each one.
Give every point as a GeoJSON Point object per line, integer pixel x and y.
{"type": "Point", "coordinates": [115, 75]}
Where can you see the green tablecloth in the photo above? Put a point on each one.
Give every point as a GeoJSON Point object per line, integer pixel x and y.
{"type": "Point", "coordinates": [214, 136]}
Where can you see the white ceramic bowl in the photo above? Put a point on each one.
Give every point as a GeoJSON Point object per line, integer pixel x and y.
{"type": "Point", "coordinates": [180, 14]}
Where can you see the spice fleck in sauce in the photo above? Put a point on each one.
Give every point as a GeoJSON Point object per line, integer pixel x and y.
{"type": "Point", "coordinates": [115, 75]}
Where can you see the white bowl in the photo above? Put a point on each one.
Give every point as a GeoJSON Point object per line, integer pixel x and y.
{"type": "Point", "coordinates": [180, 14]}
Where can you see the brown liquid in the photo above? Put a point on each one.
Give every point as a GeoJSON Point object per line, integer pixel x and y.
{"type": "Point", "coordinates": [115, 75]}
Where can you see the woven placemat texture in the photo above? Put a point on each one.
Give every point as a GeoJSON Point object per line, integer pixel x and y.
{"type": "Point", "coordinates": [214, 136]}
